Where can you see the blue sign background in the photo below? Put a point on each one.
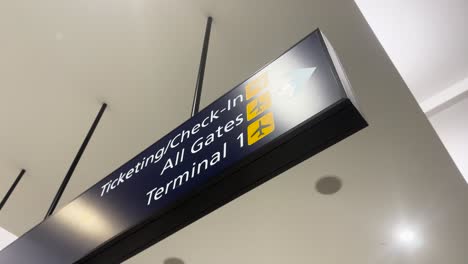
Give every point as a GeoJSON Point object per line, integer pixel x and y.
{"type": "Point", "coordinates": [301, 84]}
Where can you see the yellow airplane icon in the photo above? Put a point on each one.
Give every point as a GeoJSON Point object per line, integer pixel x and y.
{"type": "Point", "coordinates": [259, 105]}
{"type": "Point", "coordinates": [260, 128]}
{"type": "Point", "coordinates": [254, 87]}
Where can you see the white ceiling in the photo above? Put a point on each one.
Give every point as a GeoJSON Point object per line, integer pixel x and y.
{"type": "Point", "coordinates": [61, 59]}
{"type": "Point", "coordinates": [6, 238]}
{"type": "Point", "coordinates": [426, 40]}
{"type": "Point", "coordinates": [452, 128]}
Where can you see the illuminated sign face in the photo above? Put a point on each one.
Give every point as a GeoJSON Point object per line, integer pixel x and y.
{"type": "Point", "coordinates": [288, 111]}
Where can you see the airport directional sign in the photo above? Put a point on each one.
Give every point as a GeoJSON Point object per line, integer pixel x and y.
{"type": "Point", "coordinates": [289, 110]}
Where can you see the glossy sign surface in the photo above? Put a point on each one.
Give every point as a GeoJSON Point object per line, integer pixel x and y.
{"type": "Point", "coordinates": [291, 90]}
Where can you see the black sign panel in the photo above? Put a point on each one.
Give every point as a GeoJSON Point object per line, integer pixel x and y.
{"type": "Point", "coordinates": [291, 109]}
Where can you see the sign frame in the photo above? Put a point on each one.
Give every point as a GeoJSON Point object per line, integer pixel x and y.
{"type": "Point", "coordinates": [338, 120]}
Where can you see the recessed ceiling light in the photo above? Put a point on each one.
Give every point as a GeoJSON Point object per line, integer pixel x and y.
{"type": "Point", "coordinates": [328, 185]}
{"type": "Point", "coordinates": [407, 237]}
{"type": "Point", "coordinates": [173, 261]}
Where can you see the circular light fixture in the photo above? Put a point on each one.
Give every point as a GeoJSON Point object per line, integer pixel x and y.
{"type": "Point", "coordinates": [173, 261]}
{"type": "Point", "coordinates": [406, 236]}
{"type": "Point", "coordinates": [328, 185]}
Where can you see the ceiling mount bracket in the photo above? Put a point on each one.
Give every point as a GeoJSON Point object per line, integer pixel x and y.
{"type": "Point", "coordinates": [77, 158]}
{"type": "Point", "coordinates": [12, 188]}
{"type": "Point", "coordinates": [201, 68]}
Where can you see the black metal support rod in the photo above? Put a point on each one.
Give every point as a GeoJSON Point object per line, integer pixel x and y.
{"type": "Point", "coordinates": [201, 68]}
{"type": "Point", "coordinates": [75, 162]}
{"type": "Point", "coordinates": [12, 188]}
